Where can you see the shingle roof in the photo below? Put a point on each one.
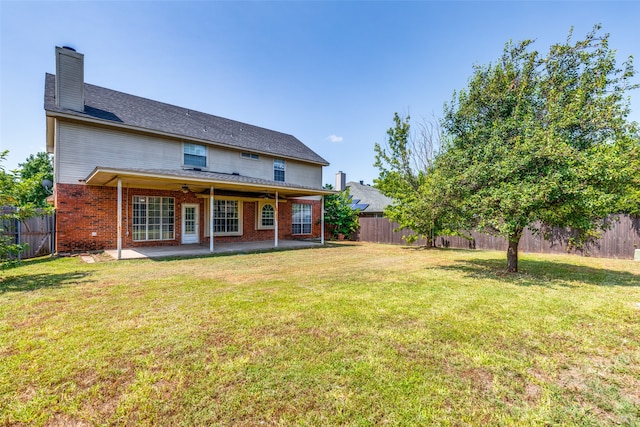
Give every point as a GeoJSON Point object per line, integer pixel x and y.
{"type": "Point", "coordinates": [368, 195]}
{"type": "Point", "coordinates": [120, 108]}
{"type": "Point", "coordinates": [206, 176]}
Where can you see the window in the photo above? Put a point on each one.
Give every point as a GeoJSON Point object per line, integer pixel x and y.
{"type": "Point", "coordinates": [250, 156]}
{"type": "Point", "coordinates": [226, 217]}
{"type": "Point", "coordinates": [266, 216]}
{"type": "Point", "coordinates": [195, 155]}
{"type": "Point", "coordinates": [278, 170]}
{"type": "Point", "coordinates": [301, 221]}
{"type": "Point", "coordinates": [153, 218]}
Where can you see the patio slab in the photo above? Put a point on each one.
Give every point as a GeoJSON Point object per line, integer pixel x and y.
{"type": "Point", "coordinates": [197, 250]}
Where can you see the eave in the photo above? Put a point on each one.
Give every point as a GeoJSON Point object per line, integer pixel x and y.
{"type": "Point", "coordinates": [196, 181]}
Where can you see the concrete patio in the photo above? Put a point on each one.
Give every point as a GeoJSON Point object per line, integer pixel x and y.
{"type": "Point", "coordinates": [199, 250]}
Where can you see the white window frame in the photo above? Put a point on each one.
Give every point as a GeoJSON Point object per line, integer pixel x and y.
{"type": "Point", "coordinates": [239, 232]}
{"type": "Point", "coordinates": [186, 146]}
{"type": "Point", "coordinates": [259, 218]}
{"type": "Point", "coordinates": [302, 223]}
{"type": "Point", "coordinates": [278, 169]}
{"type": "Point", "coordinates": [249, 156]}
{"type": "Point", "coordinates": [167, 223]}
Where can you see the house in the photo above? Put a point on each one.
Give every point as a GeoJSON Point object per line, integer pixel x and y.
{"type": "Point", "coordinates": [132, 172]}
{"type": "Point", "coordinates": [366, 199]}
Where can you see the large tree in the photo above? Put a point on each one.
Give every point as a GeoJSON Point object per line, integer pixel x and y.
{"type": "Point", "coordinates": [542, 139]}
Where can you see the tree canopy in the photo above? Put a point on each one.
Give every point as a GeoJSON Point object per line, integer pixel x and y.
{"type": "Point", "coordinates": [339, 216]}
{"type": "Point", "coordinates": [30, 175]}
{"type": "Point", "coordinates": [542, 138]}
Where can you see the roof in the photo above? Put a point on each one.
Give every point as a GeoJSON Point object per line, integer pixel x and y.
{"type": "Point", "coordinates": [196, 180]}
{"type": "Point", "coordinates": [129, 111]}
{"type": "Point", "coordinates": [368, 197]}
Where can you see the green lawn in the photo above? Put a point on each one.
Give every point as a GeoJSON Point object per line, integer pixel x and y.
{"type": "Point", "coordinates": [353, 334]}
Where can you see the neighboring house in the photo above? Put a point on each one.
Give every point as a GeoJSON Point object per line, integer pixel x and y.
{"type": "Point", "coordinates": [133, 172]}
{"type": "Point", "coordinates": [366, 199]}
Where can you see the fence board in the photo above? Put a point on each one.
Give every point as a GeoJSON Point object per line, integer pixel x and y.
{"type": "Point", "coordinates": [620, 241]}
{"type": "Point", "coordinates": [35, 231]}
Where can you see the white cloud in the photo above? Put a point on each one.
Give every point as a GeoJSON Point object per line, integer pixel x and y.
{"type": "Point", "coordinates": [335, 138]}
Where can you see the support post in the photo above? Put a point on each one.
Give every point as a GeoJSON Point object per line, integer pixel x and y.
{"type": "Point", "coordinates": [322, 220]}
{"type": "Point", "coordinates": [211, 219]}
{"type": "Point", "coordinates": [275, 223]}
{"type": "Point", "coordinates": [119, 218]}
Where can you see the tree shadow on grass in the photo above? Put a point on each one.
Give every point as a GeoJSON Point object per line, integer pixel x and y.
{"type": "Point", "coordinates": [543, 273]}
{"type": "Point", "coordinates": [32, 282]}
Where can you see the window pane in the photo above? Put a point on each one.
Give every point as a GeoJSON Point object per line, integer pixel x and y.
{"type": "Point", "coordinates": [195, 149]}
{"type": "Point", "coordinates": [190, 159]}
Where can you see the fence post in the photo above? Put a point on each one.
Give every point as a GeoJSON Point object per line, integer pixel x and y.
{"type": "Point", "coordinates": [18, 226]}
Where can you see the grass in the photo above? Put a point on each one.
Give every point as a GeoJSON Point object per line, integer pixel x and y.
{"type": "Point", "coordinates": [354, 334]}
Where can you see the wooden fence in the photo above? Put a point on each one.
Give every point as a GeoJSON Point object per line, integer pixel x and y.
{"type": "Point", "coordinates": [37, 232]}
{"type": "Point", "coordinates": [620, 241]}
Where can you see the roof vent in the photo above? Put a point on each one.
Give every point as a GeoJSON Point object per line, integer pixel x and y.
{"type": "Point", "coordinates": [235, 173]}
{"type": "Point", "coordinates": [197, 169]}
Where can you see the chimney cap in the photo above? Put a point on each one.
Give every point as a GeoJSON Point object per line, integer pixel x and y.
{"type": "Point", "coordinates": [69, 48]}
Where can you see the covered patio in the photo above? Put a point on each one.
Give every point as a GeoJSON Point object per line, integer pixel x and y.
{"type": "Point", "coordinates": [194, 218]}
{"type": "Point", "coordinates": [201, 250]}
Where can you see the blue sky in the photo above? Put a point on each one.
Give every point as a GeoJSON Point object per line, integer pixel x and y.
{"type": "Point", "coordinates": [330, 73]}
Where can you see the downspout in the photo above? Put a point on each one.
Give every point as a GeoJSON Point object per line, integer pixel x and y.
{"type": "Point", "coordinates": [119, 218]}
{"type": "Point", "coordinates": [211, 219]}
{"type": "Point", "coordinates": [275, 224]}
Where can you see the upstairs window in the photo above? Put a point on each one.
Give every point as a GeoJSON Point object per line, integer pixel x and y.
{"type": "Point", "coordinates": [195, 155]}
{"type": "Point", "coordinates": [278, 170]}
{"type": "Point", "coordinates": [250, 156]}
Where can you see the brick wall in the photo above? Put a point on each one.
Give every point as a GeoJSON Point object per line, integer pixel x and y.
{"type": "Point", "coordinates": [86, 218]}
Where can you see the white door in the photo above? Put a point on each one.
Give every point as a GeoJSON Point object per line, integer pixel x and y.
{"type": "Point", "coordinates": [190, 224]}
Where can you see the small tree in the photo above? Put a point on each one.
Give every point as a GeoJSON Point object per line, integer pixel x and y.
{"type": "Point", "coordinates": [542, 138]}
{"type": "Point", "coordinates": [407, 175]}
{"type": "Point", "coordinates": [8, 214]}
{"type": "Point", "coordinates": [340, 217]}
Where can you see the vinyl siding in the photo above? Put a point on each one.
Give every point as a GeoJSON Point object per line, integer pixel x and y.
{"type": "Point", "coordinates": [80, 148]}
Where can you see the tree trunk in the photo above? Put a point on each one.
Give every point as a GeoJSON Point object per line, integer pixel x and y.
{"type": "Point", "coordinates": [512, 254]}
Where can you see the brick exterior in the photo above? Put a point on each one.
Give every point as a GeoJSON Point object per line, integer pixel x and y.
{"type": "Point", "coordinates": [82, 210]}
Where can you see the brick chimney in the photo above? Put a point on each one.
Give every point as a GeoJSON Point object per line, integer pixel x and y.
{"type": "Point", "coordinates": [341, 181]}
{"type": "Point", "coordinates": [69, 79]}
